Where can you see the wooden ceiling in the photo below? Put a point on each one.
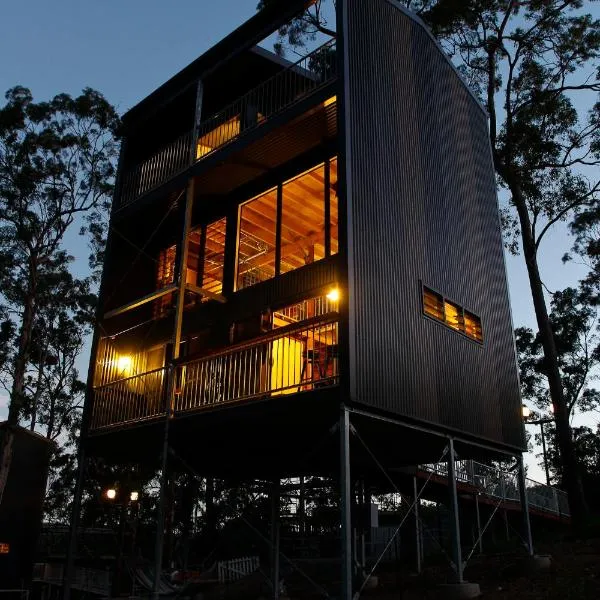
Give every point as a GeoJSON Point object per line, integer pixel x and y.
{"type": "Point", "coordinates": [302, 226]}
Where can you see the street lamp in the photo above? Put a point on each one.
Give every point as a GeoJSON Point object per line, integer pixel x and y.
{"type": "Point", "coordinates": [527, 414]}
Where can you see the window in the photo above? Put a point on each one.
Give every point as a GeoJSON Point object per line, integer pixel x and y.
{"type": "Point", "coordinates": [333, 205]}
{"type": "Point", "coordinates": [165, 275]}
{"type": "Point", "coordinates": [451, 314]}
{"type": "Point", "coordinates": [214, 257]}
{"type": "Point", "coordinates": [204, 267]}
{"type": "Point", "coordinates": [473, 326]}
{"type": "Point", "coordinates": [303, 220]}
{"type": "Point", "coordinates": [433, 304]}
{"type": "Point", "coordinates": [256, 240]}
{"type": "Point", "coordinates": [298, 223]}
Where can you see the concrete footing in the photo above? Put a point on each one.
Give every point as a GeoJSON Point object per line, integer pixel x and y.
{"type": "Point", "coordinates": [459, 591]}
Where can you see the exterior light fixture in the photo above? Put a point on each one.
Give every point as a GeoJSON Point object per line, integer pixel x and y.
{"type": "Point", "coordinates": [111, 493]}
{"type": "Point", "coordinates": [333, 295]}
{"type": "Point", "coordinates": [134, 496]}
{"type": "Point", "coordinates": [124, 364]}
{"type": "Point", "coordinates": [525, 411]}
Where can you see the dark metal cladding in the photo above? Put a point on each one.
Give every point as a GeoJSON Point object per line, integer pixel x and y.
{"type": "Point", "coordinates": [423, 211]}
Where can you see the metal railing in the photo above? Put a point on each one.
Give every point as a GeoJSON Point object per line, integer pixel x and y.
{"type": "Point", "coordinates": [291, 359]}
{"type": "Point", "coordinates": [281, 91]}
{"type": "Point", "coordinates": [502, 484]}
{"type": "Point", "coordinates": [168, 162]}
{"type": "Point", "coordinates": [298, 357]}
{"type": "Point", "coordinates": [131, 399]}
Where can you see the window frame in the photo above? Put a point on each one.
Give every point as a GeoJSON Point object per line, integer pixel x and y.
{"type": "Point", "coordinates": [327, 253]}
{"type": "Point", "coordinates": [462, 310]}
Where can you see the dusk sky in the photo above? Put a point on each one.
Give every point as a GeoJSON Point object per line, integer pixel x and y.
{"type": "Point", "coordinates": [127, 48]}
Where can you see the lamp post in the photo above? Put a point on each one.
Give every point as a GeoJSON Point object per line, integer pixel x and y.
{"type": "Point", "coordinates": [527, 414]}
{"type": "Point", "coordinates": [122, 498]}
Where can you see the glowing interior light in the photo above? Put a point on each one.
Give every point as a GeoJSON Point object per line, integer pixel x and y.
{"type": "Point", "coordinates": [333, 295]}
{"type": "Point", "coordinates": [134, 496]}
{"type": "Point", "coordinates": [111, 493]}
{"type": "Point", "coordinates": [124, 364]}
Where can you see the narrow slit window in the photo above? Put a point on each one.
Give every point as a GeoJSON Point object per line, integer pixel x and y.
{"type": "Point", "coordinates": [473, 326]}
{"type": "Point", "coordinates": [452, 315]}
{"type": "Point", "coordinates": [214, 257]}
{"type": "Point", "coordinates": [433, 304]}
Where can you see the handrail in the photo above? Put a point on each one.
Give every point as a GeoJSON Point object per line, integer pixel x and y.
{"type": "Point", "coordinates": [267, 99]}
{"type": "Point", "coordinates": [307, 75]}
{"type": "Point", "coordinates": [501, 484]}
{"type": "Point", "coordinates": [290, 359]}
{"type": "Point", "coordinates": [126, 379]}
{"type": "Point", "coordinates": [325, 319]}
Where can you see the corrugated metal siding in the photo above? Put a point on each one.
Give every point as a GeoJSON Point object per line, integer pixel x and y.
{"type": "Point", "coordinates": [424, 210]}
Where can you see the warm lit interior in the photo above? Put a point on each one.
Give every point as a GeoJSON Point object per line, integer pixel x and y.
{"type": "Point", "coordinates": [218, 136]}
{"type": "Point", "coordinates": [303, 228]}
{"type": "Point", "coordinates": [115, 363]}
{"type": "Point", "coordinates": [308, 355]}
{"type": "Point", "coordinates": [451, 314]}
{"type": "Point", "coordinates": [256, 239]}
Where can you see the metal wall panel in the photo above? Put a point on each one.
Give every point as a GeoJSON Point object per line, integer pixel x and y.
{"type": "Point", "coordinates": [422, 210]}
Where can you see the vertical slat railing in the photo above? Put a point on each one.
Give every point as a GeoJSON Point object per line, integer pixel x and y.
{"type": "Point", "coordinates": [128, 400]}
{"type": "Point", "coordinates": [287, 87]}
{"type": "Point", "coordinates": [292, 359]}
{"type": "Point", "coordinates": [149, 174]}
{"type": "Point", "coordinates": [503, 484]}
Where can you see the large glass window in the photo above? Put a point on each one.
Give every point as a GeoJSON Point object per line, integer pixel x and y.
{"type": "Point", "coordinates": [303, 220]}
{"type": "Point", "coordinates": [333, 205]}
{"type": "Point", "coordinates": [256, 240]}
{"type": "Point", "coordinates": [214, 257]}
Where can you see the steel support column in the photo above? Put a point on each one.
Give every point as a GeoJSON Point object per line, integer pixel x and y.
{"type": "Point", "coordinates": [524, 505]}
{"type": "Point", "coordinates": [345, 506]}
{"type": "Point", "coordinates": [418, 540]}
{"type": "Point", "coordinates": [171, 384]}
{"type": "Point", "coordinates": [275, 501]}
{"type": "Point", "coordinates": [478, 517]}
{"type": "Point", "coordinates": [454, 519]}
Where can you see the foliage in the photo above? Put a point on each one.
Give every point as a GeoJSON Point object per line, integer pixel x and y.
{"type": "Point", "coordinates": [56, 175]}
{"type": "Point", "coordinates": [587, 448]}
{"type": "Point", "coordinates": [574, 324]}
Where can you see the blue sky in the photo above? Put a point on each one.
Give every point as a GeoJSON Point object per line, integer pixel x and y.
{"type": "Point", "coordinates": [127, 48]}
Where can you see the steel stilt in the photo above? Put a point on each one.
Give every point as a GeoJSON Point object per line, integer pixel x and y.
{"type": "Point", "coordinates": [454, 519]}
{"type": "Point", "coordinates": [275, 492]}
{"type": "Point", "coordinates": [345, 506]}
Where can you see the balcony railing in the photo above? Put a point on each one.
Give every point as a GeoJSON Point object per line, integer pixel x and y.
{"type": "Point", "coordinates": [294, 358]}
{"type": "Point", "coordinates": [291, 359]}
{"type": "Point", "coordinates": [128, 400]}
{"type": "Point", "coordinates": [503, 485]}
{"type": "Point", "coordinates": [286, 88]}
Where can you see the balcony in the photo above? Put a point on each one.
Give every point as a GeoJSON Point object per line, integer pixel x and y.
{"type": "Point", "coordinates": [252, 110]}
{"type": "Point", "coordinates": [295, 358]}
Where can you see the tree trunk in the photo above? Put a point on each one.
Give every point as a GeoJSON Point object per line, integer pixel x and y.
{"type": "Point", "coordinates": [18, 386]}
{"type": "Point", "coordinates": [564, 439]}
